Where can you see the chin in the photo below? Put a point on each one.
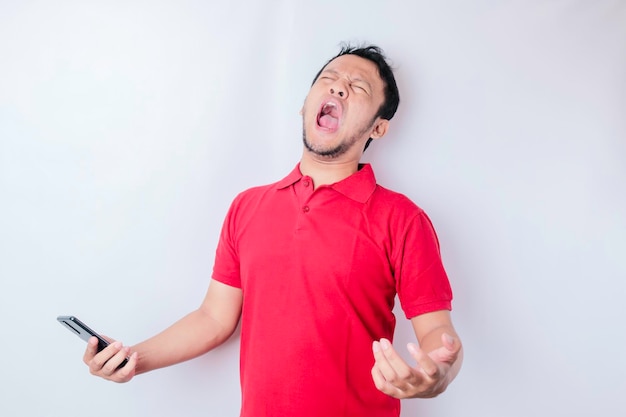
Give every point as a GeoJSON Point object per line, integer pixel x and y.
{"type": "Point", "coordinates": [327, 150]}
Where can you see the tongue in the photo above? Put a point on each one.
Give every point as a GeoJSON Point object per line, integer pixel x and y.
{"type": "Point", "coordinates": [328, 121]}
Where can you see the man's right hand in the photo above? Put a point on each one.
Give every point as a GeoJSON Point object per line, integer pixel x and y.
{"type": "Point", "coordinates": [104, 364]}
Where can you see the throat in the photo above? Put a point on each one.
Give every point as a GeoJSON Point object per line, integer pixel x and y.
{"type": "Point", "coordinates": [326, 172]}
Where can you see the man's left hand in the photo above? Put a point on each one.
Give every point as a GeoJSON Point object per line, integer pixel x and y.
{"type": "Point", "coordinates": [429, 378]}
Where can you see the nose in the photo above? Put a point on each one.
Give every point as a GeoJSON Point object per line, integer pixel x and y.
{"type": "Point", "coordinates": [338, 92]}
{"type": "Point", "coordinates": [339, 89]}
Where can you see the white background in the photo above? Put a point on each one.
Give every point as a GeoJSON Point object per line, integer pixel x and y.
{"type": "Point", "coordinates": [126, 128]}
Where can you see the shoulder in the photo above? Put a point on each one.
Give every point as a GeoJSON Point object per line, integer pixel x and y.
{"type": "Point", "coordinates": [393, 201]}
{"type": "Point", "coordinates": [398, 213]}
{"type": "Point", "coordinates": [253, 196]}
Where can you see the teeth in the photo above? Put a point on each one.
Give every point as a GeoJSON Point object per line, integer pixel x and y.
{"type": "Point", "coordinates": [328, 107]}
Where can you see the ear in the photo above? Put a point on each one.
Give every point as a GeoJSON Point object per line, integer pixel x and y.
{"type": "Point", "coordinates": [379, 129]}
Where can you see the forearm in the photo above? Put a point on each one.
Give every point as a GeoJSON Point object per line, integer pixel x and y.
{"type": "Point", "coordinates": [191, 336]}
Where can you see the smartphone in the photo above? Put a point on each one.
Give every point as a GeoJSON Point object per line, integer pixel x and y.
{"type": "Point", "coordinates": [81, 330]}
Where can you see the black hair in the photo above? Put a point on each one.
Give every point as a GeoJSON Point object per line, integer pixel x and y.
{"type": "Point", "coordinates": [376, 55]}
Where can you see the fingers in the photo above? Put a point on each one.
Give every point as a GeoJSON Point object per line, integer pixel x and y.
{"type": "Point", "coordinates": [91, 351]}
{"type": "Point", "coordinates": [123, 372]}
{"type": "Point", "coordinates": [108, 363]}
{"type": "Point", "coordinates": [394, 377]}
{"type": "Point", "coordinates": [448, 352]}
{"type": "Point", "coordinates": [380, 380]}
{"type": "Point", "coordinates": [391, 365]}
{"type": "Point", "coordinates": [425, 363]}
{"type": "Point", "coordinates": [391, 374]}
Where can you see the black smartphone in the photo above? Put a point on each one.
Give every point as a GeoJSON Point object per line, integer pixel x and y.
{"type": "Point", "coordinates": [81, 330]}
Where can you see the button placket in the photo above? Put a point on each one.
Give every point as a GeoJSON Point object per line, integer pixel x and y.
{"type": "Point", "coordinates": [304, 192]}
{"type": "Point", "coordinates": [307, 184]}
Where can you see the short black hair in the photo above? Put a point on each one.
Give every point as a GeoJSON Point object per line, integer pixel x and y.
{"type": "Point", "coordinates": [376, 55]}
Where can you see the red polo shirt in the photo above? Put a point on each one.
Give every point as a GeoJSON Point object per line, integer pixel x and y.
{"type": "Point", "coordinates": [319, 270]}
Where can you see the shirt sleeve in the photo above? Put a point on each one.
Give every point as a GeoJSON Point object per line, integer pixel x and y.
{"type": "Point", "coordinates": [226, 267]}
{"type": "Point", "coordinates": [421, 280]}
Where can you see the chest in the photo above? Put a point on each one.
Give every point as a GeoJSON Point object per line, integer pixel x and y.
{"type": "Point", "coordinates": [321, 245]}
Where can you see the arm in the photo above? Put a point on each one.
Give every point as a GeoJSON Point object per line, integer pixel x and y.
{"type": "Point", "coordinates": [196, 333]}
{"type": "Point", "coordinates": [439, 358]}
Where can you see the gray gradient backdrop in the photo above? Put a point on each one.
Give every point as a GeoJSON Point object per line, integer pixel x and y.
{"type": "Point", "coordinates": [126, 128]}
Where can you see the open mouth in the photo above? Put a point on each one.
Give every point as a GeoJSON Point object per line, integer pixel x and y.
{"type": "Point", "coordinates": [329, 115]}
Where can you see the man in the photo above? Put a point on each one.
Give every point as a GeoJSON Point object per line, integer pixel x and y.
{"type": "Point", "coordinates": [312, 264]}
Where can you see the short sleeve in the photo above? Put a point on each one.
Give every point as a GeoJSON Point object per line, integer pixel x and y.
{"type": "Point", "coordinates": [421, 280]}
{"type": "Point", "coordinates": [226, 267]}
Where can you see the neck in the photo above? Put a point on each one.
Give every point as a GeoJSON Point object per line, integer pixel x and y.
{"type": "Point", "coordinates": [325, 172]}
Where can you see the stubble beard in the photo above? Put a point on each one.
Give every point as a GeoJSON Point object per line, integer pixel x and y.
{"type": "Point", "coordinates": [340, 149]}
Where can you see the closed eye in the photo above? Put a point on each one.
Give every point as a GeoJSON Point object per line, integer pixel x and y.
{"type": "Point", "coordinates": [361, 88]}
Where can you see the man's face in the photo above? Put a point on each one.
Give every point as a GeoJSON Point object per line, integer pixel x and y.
{"type": "Point", "coordinates": [339, 113]}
